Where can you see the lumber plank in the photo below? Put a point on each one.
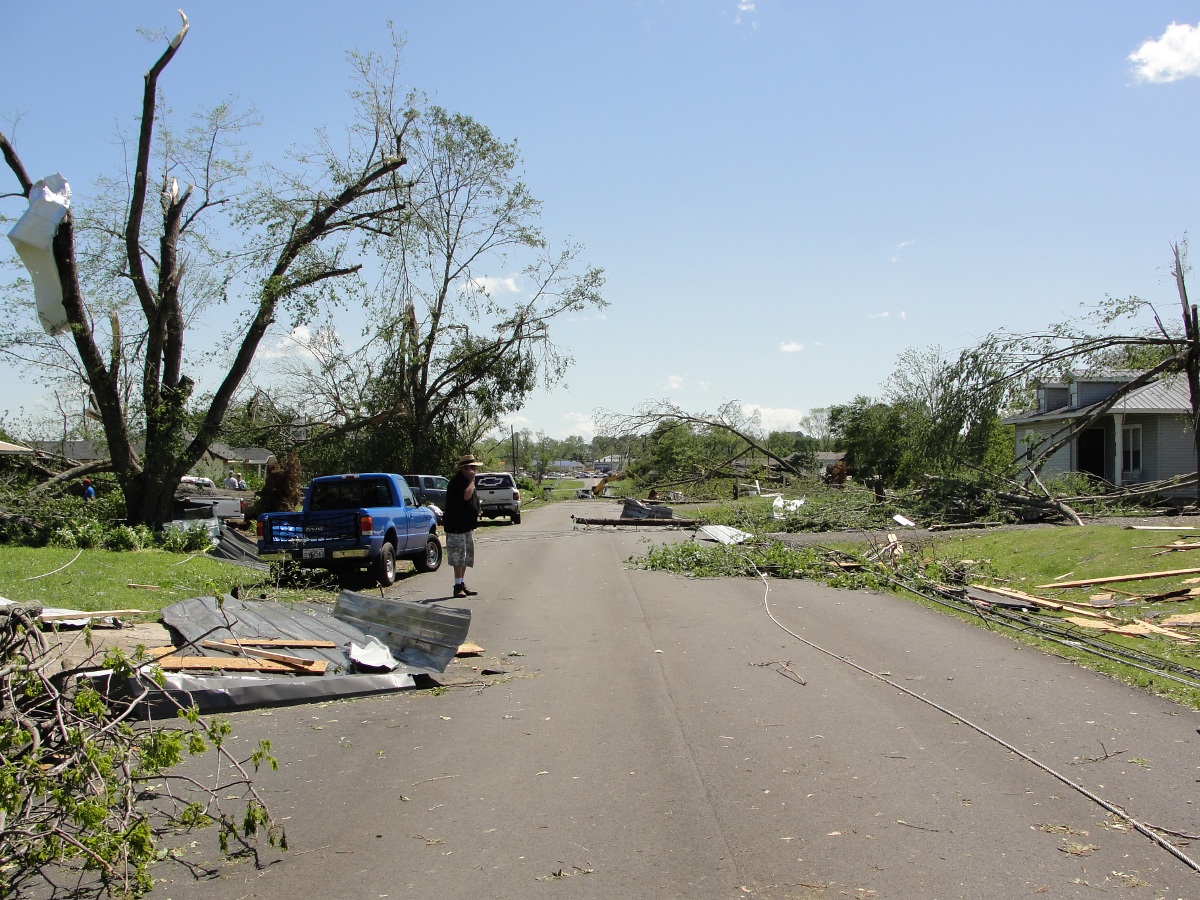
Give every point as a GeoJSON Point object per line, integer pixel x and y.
{"type": "Point", "coordinates": [1112, 579]}
{"type": "Point", "coordinates": [296, 662]}
{"type": "Point", "coordinates": [232, 664]}
{"type": "Point", "coordinates": [299, 643]}
{"type": "Point", "coordinates": [1042, 602]}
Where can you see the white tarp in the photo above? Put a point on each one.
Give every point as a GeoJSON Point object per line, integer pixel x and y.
{"type": "Point", "coordinates": [780, 507]}
{"type": "Point", "coordinates": [33, 238]}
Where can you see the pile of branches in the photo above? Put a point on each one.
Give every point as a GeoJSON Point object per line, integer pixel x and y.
{"type": "Point", "coordinates": [989, 499]}
{"type": "Point", "coordinates": [87, 792]}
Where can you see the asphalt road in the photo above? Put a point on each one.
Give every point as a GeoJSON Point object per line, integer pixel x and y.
{"type": "Point", "coordinates": [664, 737]}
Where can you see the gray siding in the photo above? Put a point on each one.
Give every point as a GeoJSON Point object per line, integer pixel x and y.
{"type": "Point", "coordinates": [1057, 464]}
{"type": "Point", "coordinates": [1090, 392]}
{"type": "Point", "coordinates": [1175, 451]}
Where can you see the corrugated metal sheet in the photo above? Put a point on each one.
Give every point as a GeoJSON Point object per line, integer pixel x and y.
{"type": "Point", "coordinates": [421, 635]}
{"type": "Point", "coordinates": [204, 619]}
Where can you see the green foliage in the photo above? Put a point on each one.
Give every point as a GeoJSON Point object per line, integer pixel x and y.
{"type": "Point", "coordinates": [126, 537]}
{"type": "Point", "coordinates": [939, 416]}
{"type": "Point", "coordinates": [87, 797]}
{"type": "Point", "coordinates": [768, 556]}
{"type": "Point", "coordinates": [193, 539]}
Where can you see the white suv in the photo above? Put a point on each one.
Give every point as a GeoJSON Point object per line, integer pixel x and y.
{"type": "Point", "coordinates": [498, 496]}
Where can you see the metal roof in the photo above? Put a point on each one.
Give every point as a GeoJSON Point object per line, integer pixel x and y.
{"type": "Point", "coordinates": [1167, 396]}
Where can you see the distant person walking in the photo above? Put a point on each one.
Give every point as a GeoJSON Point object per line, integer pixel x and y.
{"type": "Point", "coordinates": [89, 492]}
{"type": "Point", "coordinates": [231, 482]}
{"type": "Point", "coordinates": [459, 519]}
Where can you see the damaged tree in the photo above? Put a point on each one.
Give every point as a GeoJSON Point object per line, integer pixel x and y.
{"type": "Point", "coordinates": [300, 228]}
{"type": "Point", "coordinates": [455, 350]}
{"type": "Point", "coordinates": [658, 419]}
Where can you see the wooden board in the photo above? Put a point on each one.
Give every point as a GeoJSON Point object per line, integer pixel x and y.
{"type": "Point", "coordinates": [469, 649]}
{"type": "Point", "coordinates": [1110, 579]}
{"type": "Point", "coordinates": [299, 643]}
{"type": "Point", "coordinates": [295, 662]}
{"type": "Point", "coordinates": [231, 664]}
{"type": "Point", "coordinates": [1039, 601]}
{"type": "Point", "coordinates": [1131, 629]}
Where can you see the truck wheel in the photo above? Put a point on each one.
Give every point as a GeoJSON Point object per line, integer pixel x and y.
{"type": "Point", "coordinates": [385, 569]}
{"type": "Point", "coordinates": [516, 518]}
{"type": "Point", "coordinates": [431, 559]}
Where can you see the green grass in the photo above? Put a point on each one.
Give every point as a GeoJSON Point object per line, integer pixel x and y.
{"type": "Point", "coordinates": [100, 579]}
{"type": "Point", "coordinates": [1025, 560]}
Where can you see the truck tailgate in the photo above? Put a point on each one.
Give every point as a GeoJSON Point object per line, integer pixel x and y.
{"type": "Point", "coordinates": [319, 528]}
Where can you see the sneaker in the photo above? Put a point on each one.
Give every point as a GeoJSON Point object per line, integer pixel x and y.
{"type": "Point", "coordinates": [467, 592]}
{"type": "Point", "coordinates": [460, 590]}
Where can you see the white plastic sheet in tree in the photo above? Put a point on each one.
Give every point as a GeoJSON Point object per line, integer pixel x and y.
{"type": "Point", "coordinates": [33, 237]}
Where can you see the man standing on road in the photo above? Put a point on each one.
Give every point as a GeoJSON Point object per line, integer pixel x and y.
{"type": "Point", "coordinates": [459, 519]}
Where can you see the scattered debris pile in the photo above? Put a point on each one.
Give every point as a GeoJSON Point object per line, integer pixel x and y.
{"type": "Point", "coordinates": [238, 654]}
{"type": "Point", "coordinates": [639, 512]}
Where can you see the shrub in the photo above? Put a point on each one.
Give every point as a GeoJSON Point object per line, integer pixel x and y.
{"type": "Point", "coordinates": [125, 537]}
{"type": "Point", "coordinates": [190, 540]}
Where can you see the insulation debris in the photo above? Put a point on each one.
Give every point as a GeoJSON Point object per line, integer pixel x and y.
{"type": "Point", "coordinates": [724, 534]}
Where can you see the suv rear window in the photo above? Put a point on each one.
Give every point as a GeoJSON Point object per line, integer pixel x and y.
{"type": "Point", "coordinates": [494, 481]}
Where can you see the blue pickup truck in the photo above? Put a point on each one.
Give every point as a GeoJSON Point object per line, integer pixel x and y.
{"type": "Point", "coordinates": [350, 523]}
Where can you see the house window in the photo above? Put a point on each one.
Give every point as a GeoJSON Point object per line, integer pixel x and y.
{"type": "Point", "coordinates": [1131, 449]}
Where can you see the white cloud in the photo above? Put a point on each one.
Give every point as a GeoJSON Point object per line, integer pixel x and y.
{"type": "Point", "coordinates": [300, 341]}
{"type": "Point", "coordinates": [790, 346]}
{"type": "Point", "coordinates": [745, 13]}
{"type": "Point", "coordinates": [903, 245]}
{"type": "Point", "coordinates": [580, 424]}
{"type": "Point", "coordinates": [882, 315]}
{"type": "Point", "coordinates": [773, 419]}
{"type": "Point", "coordinates": [1171, 57]}
{"type": "Point", "coordinates": [492, 285]}
{"type": "Point", "coordinates": [674, 382]}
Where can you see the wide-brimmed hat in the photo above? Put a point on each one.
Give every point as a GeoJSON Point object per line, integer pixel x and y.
{"type": "Point", "coordinates": [468, 460]}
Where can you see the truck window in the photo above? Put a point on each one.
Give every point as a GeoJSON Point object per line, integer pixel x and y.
{"type": "Point", "coordinates": [350, 494]}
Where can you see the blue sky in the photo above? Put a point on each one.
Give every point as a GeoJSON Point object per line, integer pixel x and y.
{"type": "Point", "coordinates": [784, 196]}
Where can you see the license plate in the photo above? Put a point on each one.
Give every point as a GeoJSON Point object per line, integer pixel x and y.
{"type": "Point", "coordinates": [314, 552]}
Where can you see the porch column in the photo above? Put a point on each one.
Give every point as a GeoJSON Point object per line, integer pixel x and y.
{"type": "Point", "coordinates": [1118, 444]}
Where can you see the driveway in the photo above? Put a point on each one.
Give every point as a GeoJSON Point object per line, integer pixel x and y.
{"type": "Point", "coordinates": [659, 736]}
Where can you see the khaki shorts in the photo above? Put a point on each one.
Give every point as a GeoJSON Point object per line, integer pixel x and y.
{"type": "Point", "coordinates": [460, 549]}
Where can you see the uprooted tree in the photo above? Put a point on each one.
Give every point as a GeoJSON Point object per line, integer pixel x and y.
{"type": "Point", "coordinates": [139, 270]}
